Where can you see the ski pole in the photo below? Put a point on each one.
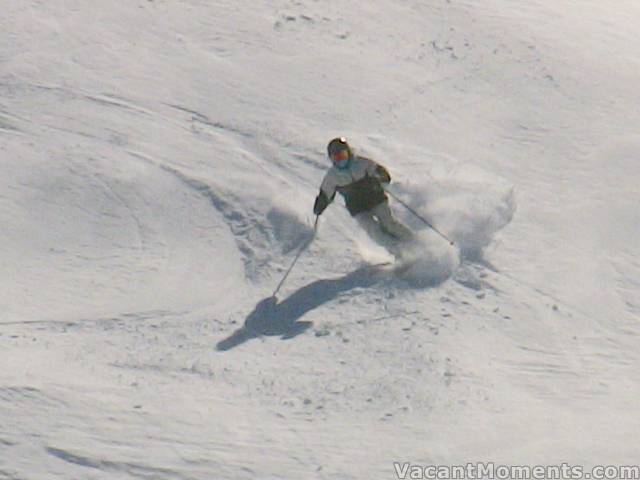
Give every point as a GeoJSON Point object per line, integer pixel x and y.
{"type": "Point", "coordinates": [295, 260]}
{"type": "Point", "coordinates": [420, 217]}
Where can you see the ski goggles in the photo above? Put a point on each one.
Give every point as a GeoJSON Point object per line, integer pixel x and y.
{"type": "Point", "coordinates": [340, 156]}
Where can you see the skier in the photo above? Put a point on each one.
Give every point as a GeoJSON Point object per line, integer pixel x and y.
{"type": "Point", "coordinates": [359, 180]}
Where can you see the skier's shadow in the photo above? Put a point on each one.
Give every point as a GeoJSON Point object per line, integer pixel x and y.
{"type": "Point", "coordinates": [273, 318]}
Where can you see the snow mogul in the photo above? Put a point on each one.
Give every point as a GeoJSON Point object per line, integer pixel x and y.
{"type": "Point", "coordinates": [360, 181]}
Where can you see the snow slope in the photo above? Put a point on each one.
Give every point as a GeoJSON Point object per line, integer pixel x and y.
{"type": "Point", "coordinates": [160, 160]}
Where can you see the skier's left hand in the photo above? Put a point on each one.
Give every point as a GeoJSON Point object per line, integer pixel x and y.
{"type": "Point", "coordinates": [382, 174]}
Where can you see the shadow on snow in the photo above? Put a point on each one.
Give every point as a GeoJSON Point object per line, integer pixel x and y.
{"type": "Point", "coordinates": [273, 318]}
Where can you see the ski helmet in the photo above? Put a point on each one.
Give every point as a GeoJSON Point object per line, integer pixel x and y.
{"type": "Point", "coordinates": [337, 145]}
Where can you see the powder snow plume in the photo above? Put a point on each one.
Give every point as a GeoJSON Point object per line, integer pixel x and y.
{"type": "Point", "coordinates": [465, 203]}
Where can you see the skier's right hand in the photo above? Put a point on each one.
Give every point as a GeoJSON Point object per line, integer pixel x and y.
{"type": "Point", "coordinates": [321, 203]}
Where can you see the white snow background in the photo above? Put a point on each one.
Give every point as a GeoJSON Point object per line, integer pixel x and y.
{"type": "Point", "coordinates": [159, 162]}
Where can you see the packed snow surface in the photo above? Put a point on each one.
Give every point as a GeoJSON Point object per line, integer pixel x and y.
{"type": "Point", "coordinates": [159, 165]}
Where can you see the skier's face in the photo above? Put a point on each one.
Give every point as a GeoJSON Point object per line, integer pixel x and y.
{"type": "Point", "coordinates": [340, 158]}
{"type": "Point", "coordinates": [340, 155]}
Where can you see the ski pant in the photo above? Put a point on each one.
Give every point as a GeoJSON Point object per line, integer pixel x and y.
{"type": "Point", "coordinates": [382, 226]}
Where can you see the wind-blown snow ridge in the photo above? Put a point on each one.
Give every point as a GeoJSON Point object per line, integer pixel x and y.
{"type": "Point", "coordinates": [255, 237]}
{"type": "Point", "coordinates": [133, 469]}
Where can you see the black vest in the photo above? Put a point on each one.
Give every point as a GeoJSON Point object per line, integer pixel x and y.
{"type": "Point", "coordinates": [363, 194]}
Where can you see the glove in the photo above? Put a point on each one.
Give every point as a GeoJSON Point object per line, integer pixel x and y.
{"type": "Point", "coordinates": [382, 174]}
{"type": "Point", "coordinates": [321, 203]}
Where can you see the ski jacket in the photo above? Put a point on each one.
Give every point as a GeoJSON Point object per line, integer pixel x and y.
{"type": "Point", "coordinates": [359, 184]}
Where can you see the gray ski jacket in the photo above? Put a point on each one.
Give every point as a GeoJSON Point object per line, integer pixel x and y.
{"type": "Point", "coordinates": [360, 184]}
